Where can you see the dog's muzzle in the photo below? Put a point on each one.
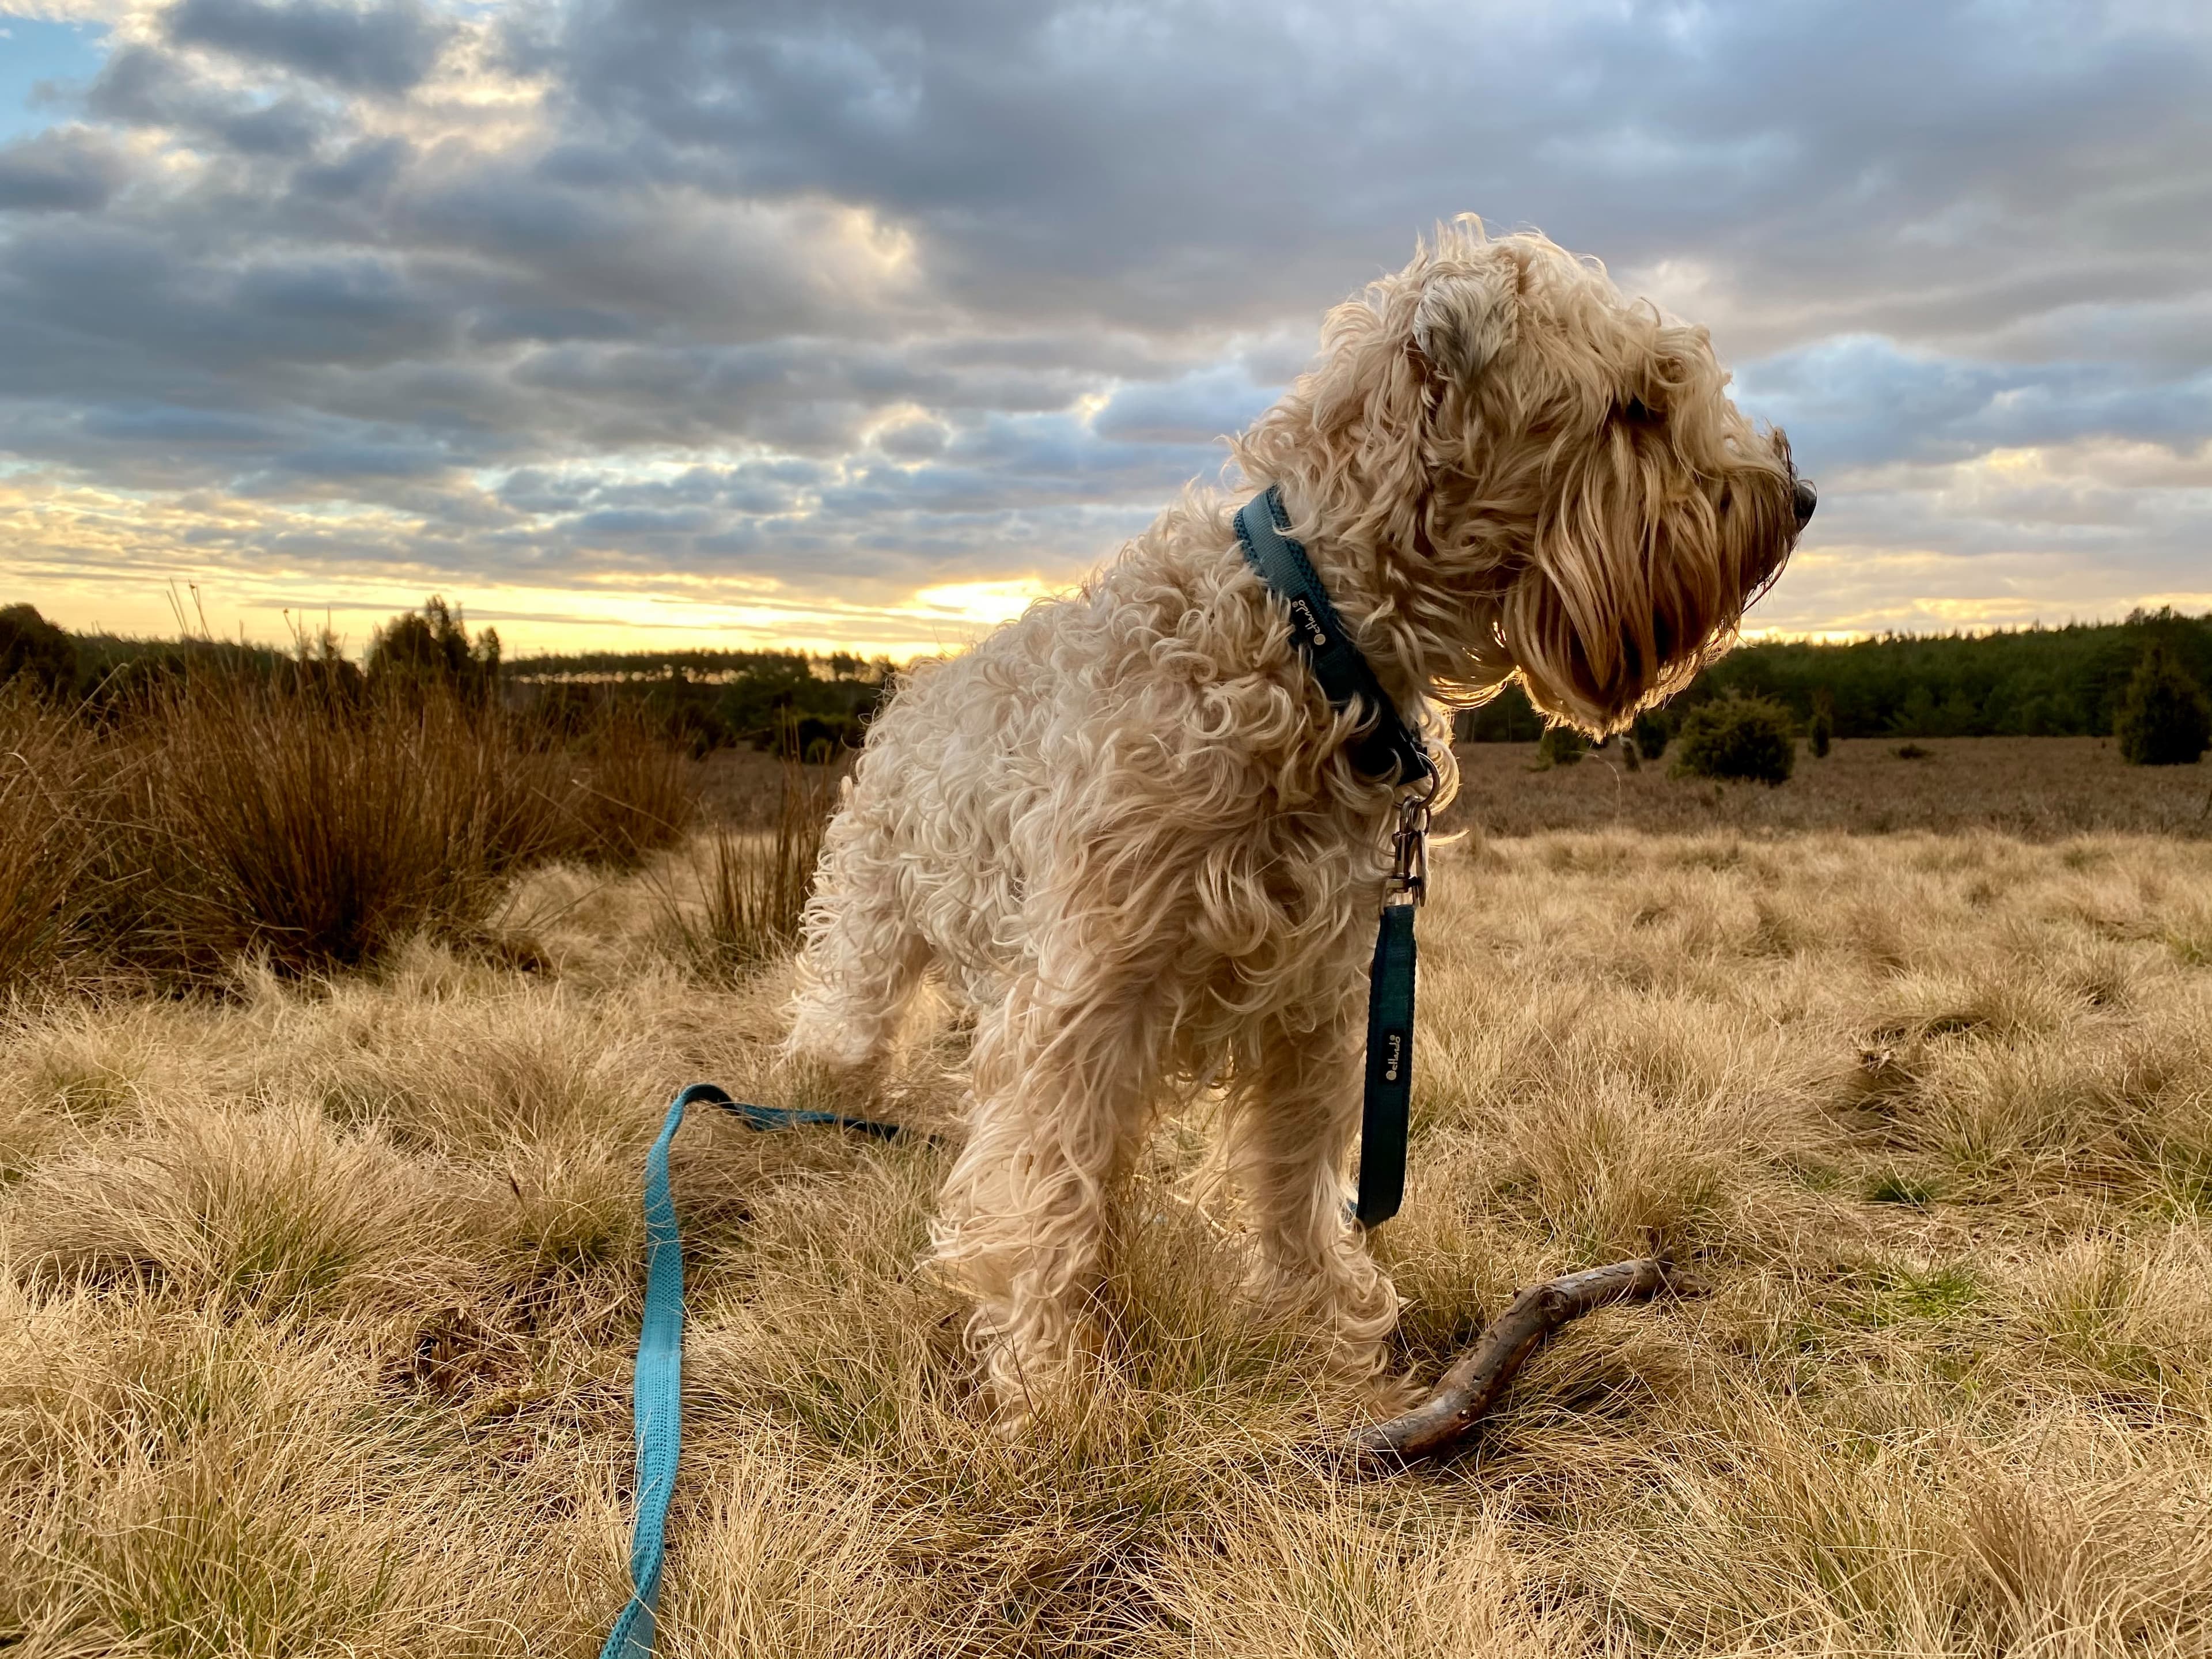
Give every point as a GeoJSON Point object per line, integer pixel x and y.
{"type": "Point", "coordinates": [1808, 498]}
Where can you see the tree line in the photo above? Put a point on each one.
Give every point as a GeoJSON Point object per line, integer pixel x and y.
{"type": "Point", "coordinates": [700, 700]}
{"type": "Point", "coordinates": [2029, 681]}
{"type": "Point", "coordinates": [2033, 682]}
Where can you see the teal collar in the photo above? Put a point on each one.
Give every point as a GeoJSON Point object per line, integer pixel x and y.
{"type": "Point", "coordinates": [1383, 746]}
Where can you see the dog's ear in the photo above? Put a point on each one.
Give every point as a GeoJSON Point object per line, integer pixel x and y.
{"type": "Point", "coordinates": [1466, 316]}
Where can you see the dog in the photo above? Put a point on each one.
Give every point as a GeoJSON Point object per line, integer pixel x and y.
{"type": "Point", "coordinates": [1126, 831]}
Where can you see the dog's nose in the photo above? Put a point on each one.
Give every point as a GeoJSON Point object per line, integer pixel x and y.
{"type": "Point", "coordinates": [1808, 499]}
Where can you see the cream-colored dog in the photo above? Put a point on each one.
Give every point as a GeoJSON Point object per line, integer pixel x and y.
{"type": "Point", "coordinates": [1126, 829]}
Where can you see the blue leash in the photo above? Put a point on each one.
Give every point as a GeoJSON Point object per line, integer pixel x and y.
{"type": "Point", "coordinates": [657, 1408]}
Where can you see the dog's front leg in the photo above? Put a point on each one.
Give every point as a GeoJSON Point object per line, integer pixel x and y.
{"type": "Point", "coordinates": [1061, 1084]}
{"type": "Point", "coordinates": [1293, 1106]}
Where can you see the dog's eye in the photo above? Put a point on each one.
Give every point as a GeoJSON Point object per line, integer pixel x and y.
{"type": "Point", "coordinates": [1636, 413]}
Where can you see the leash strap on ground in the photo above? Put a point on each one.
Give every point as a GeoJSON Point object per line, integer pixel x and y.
{"type": "Point", "coordinates": [657, 1394]}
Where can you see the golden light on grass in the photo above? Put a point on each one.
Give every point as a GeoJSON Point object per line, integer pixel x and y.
{"type": "Point", "coordinates": [318, 1300]}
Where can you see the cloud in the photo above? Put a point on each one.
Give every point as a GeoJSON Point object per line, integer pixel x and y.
{"type": "Point", "coordinates": [59, 171]}
{"type": "Point", "coordinates": [844, 300]}
{"type": "Point", "coordinates": [1859, 400]}
{"type": "Point", "coordinates": [387, 48]}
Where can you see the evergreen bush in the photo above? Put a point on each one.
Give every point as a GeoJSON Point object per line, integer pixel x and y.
{"type": "Point", "coordinates": [433, 649]}
{"type": "Point", "coordinates": [1737, 737]}
{"type": "Point", "coordinates": [2164, 719]}
{"type": "Point", "coordinates": [38, 653]}
{"type": "Point", "coordinates": [1560, 745]}
{"type": "Point", "coordinates": [1821, 730]}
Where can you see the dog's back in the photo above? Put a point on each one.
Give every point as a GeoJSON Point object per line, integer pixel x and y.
{"type": "Point", "coordinates": [1063, 736]}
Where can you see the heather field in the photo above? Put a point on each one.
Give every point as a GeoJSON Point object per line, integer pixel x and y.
{"type": "Point", "coordinates": [321, 1286]}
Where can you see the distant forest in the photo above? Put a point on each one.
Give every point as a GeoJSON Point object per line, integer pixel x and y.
{"type": "Point", "coordinates": [2035, 682]}
{"type": "Point", "coordinates": [2030, 682]}
{"type": "Point", "coordinates": [711, 699]}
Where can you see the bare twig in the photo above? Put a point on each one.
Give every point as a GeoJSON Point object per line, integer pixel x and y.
{"type": "Point", "coordinates": [1479, 1377]}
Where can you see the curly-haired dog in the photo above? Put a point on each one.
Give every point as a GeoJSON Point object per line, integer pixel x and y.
{"type": "Point", "coordinates": [1126, 827]}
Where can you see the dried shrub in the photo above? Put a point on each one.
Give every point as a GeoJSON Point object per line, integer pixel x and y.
{"type": "Point", "coordinates": [47, 837]}
{"type": "Point", "coordinates": [755, 883]}
{"type": "Point", "coordinates": [309, 816]}
{"type": "Point", "coordinates": [1746, 739]}
{"type": "Point", "coordinates": [629, 794]}
{"type": "Point", "coordinates": [293, 820]}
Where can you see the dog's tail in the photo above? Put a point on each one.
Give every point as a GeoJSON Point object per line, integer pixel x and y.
{"type": "Point", "coordinates": [861, 959]}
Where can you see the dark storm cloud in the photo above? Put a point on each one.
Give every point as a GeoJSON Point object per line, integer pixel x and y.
{"type": "Point", "coordinates": [809, 287]}
{"type": "Point", "coordinates": [1158, 163]}
{"type": "Point", "coordinates": [146, 86]}
{"type": "Point", "coordinates": [63, 171]}
{"type": "Point", "coordinates": [1860, 402]}
{"type": "Point", "coordinates": [387, 48]}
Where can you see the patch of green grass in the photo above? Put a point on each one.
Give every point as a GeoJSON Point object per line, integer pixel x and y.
{"type": "Point", "coordinates": [1899, 1295]}
{"type": "Point", "coordinates": [1895, 1186]}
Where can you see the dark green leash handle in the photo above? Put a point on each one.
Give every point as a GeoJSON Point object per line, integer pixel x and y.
{"type": "Point", "coordinates": [1387, 1107]}
{"type": "Point", "coordinates": [1386, 1111]}
{"type": "Point", "coordinates": [656, 1393]}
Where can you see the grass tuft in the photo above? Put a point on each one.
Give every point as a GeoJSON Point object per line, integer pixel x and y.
{"type": "Point", "coordinates": [752, 885]}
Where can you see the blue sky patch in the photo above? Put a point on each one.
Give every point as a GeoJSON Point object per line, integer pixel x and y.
{"type": "Point", "coordinates": [63, 56]}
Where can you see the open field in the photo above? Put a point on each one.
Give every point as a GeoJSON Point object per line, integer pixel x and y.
{"type": "Point", "coordinates": [320, 1300]}
{"type": "Point", "coordinates": [2038, 788]}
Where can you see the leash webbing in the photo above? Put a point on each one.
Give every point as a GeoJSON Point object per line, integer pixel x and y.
{"type": "Point", "coordinates": [1388, 749]}
{"type": "Point", "coordinates": [1386, 1110]}
{"type": "Point", "coordinates": [656, 1393]}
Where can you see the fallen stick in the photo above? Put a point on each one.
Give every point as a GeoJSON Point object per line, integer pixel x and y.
{"type": "Point", "coordinates": [1479, 1376]}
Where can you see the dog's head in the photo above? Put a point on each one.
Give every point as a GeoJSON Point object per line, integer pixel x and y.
{"type": "Point", "coordinates": [1559, 471]}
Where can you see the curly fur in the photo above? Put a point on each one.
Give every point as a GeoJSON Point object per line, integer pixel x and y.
{"type": "Point", "coordinates": [1124, 827]}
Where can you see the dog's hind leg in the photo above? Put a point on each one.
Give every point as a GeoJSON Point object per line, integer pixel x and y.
{"type": "Point", "coordinates": [1293, 1103]}
{"type": "Point", "coordinates": [862, 956]}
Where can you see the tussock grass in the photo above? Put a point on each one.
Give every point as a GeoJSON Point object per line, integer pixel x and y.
{"type": "Point", "coordinates": [221, 818]}
{"type": "Point", "coordinates": [316, 1299]}
{"type": "Point", "coordinates": [752, 884]}
{"type": "Point", "coordinates": [45, 760]}
{"type": "Point", "coordinates": [288, 823]}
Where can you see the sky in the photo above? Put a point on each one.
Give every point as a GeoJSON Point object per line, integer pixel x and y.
{"type": "Point", "coordinates": [857, 323]}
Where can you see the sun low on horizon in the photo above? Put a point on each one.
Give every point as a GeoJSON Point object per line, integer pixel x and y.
{"type": "Point", "coordinates": [690, 326]}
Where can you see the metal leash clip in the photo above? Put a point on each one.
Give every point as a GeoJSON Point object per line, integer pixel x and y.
{"type": "Point", "coordinates": [1409, 857]}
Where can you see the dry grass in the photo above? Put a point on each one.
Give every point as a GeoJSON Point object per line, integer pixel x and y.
{"type": "Point", "coordinates": [225, 819]}
{"type": "Point", "coordinates": [45, 760]}
{"type": "Point", "coordinates": [751, 883]}
{"type": "Point", "coordinates": [319, 1300]}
